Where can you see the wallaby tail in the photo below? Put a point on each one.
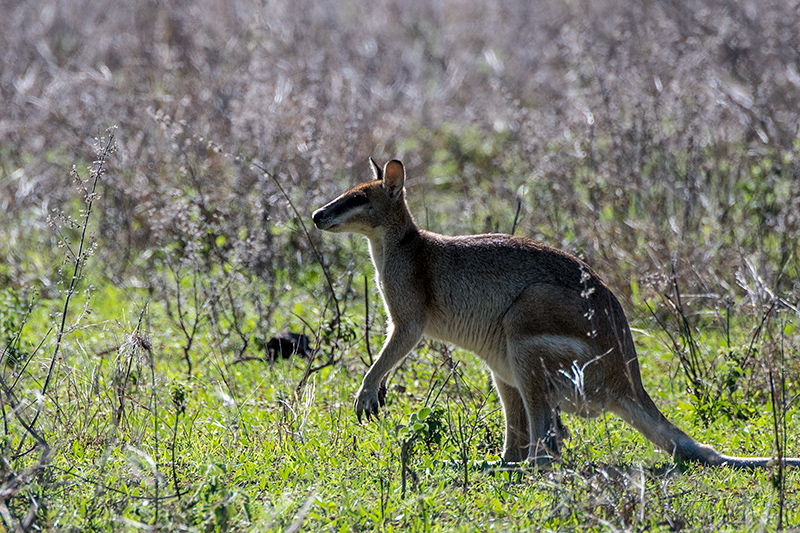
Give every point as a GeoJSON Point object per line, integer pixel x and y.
{"type": "Point", "coordinates": [645, 416]}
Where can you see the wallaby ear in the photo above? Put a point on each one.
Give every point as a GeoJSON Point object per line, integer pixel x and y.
{"type": "Point", "coordinates": [394, 175]}
{"type": "Point", "coordinates": [377, 173]}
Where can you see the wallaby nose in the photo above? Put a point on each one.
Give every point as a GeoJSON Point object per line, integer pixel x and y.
{"type": "Point", "coordinates": [317, 217]}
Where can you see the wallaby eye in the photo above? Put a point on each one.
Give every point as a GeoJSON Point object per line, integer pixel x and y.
{"type": "Point", "coordinates": [354, 201]}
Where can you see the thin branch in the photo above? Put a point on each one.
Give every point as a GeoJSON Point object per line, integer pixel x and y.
{"type": "Point", "coordinates": [516, 216]}
{"type": "Point", "coordinates": [317, 255]}
{"type": "Point", "coordinates": [90, 197]}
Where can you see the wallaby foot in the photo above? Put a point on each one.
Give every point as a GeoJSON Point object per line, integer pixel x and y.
{"type": "Point", "coordinates": [369, 401]}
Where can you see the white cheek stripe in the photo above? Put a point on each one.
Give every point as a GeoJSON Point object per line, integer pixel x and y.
{"type": "Point", "coordinates": [344, 216]}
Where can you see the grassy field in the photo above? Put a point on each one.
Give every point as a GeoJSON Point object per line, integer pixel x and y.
{"type": "Point", "coordinates": [159, 162]}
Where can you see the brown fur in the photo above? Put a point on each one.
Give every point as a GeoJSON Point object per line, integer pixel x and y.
{"type": "Point", "coordinates": [552, 333]}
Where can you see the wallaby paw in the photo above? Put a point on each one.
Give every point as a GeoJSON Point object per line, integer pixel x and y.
{"type": "Point", "coordinates": [368, 402]}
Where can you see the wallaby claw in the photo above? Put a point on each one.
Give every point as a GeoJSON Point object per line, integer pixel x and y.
{"type": "Point", "coordinates": [368, 403]}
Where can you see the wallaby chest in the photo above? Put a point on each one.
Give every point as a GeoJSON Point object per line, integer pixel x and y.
{"type": "Point", "coordinates": [426, 278]}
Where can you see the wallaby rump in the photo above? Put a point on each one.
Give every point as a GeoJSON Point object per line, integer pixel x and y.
{"type": "Point", "coordinates": [553, 335]}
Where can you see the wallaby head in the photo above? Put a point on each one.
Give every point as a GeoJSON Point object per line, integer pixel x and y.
{"type": "Point", "coordinates": [368, 206]}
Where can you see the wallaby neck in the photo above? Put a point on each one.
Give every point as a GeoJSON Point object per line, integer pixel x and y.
{"type": "Point", "coordinates": [390, 236]}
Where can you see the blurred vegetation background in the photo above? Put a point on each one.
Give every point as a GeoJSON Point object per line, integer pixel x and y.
{"type": "Point", "coordinates": [657, 140]}
{"type": "Point", "coordinates": [640, 132]}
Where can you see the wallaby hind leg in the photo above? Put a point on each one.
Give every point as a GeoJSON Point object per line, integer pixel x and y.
{"type": "Point", "coordinates": [517, 436]}
{"type": "Point", "coordinates": [539, 354]}
{"type": "Point", "coordinates": [545, 430]}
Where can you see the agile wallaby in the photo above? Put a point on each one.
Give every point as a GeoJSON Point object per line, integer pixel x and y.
{"type": "Point", "coordinates": [552, 333]}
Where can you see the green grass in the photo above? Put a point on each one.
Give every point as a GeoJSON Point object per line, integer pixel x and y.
{"type": "Point", "coordinates": [659, 144]}
{"type": "Point", "coordinates": [253, 453]}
